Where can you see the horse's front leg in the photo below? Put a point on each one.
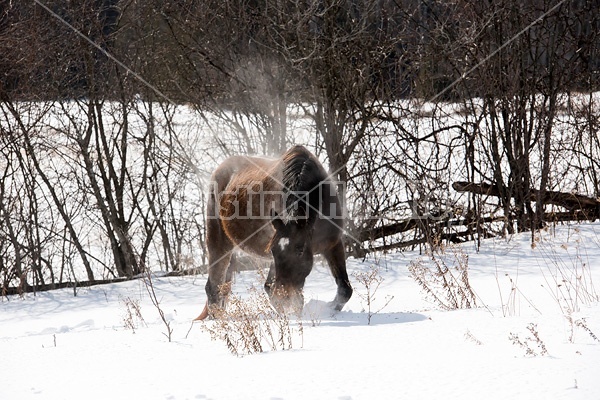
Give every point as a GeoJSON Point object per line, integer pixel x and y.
{"type": "Point", "coordinates": [270, 282]}
{"type": "Point", "coordinates": [336, 259]}
{"type": "Point", "coordinates": [218, 286]}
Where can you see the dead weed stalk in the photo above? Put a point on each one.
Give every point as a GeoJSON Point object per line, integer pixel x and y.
{"type": "Point", "coordinates": [444, 278]}
{"type": "Point", "coordinates": [252, 325]}
{"type": "Point", "coordinates": [371, 280]}
{"type": "Point", "coordinates": [133, 314]}
{"type": "Point", "coordinates": [533, 345]}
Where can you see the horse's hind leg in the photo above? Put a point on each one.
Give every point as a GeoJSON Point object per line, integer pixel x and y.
{"type": "Point", "coordinates": [219, 256]}
{"type": "Point", "coordinates": [218, 283]}
{"type": "Point", "coordinates": [336, 259]}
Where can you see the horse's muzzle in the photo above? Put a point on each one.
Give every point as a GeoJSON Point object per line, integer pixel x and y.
{"type": "Point", "coordinates": [287, 300]}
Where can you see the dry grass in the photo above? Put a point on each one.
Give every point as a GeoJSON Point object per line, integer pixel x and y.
{"type": "Point", "coordinates": [370, 281]}
{"type": "Point", "coordinates": [444, 278]}
{"type": "Point", "coordinates": [471, 338]}
{"type": "Point", "coordinates": [132, 318]}
{"type": "Point", "coordinates": [533, 345]}
{"type": "Point", "coordinates": [569, 279]}
{"type": "Point", "coordinates": [580, 323]}
{"type": "Point", "coordinates": [149, 284]}
{"type": "Point", "coordinates": [252, 325]}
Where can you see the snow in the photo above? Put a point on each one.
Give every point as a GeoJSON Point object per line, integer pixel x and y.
{"type": "Point", "coordinates": [59, 346]}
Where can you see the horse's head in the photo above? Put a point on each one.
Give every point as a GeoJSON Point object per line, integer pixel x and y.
{"type": "Point", "coordinates": [293, 261]}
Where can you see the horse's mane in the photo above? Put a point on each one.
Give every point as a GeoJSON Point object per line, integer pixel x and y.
{"type": "Point", "coordinates": [302, 174]}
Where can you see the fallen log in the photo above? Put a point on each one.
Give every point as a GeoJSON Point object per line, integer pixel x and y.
{"type": "Point", "coordinates": [27, 288]}
{"type": "Point", "coordinates": [570, 201]}
{"type": "Point", "coordinates": [388, 230]}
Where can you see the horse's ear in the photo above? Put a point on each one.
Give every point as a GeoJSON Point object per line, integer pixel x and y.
{"type": "Point", "coordinates": [276, 221]}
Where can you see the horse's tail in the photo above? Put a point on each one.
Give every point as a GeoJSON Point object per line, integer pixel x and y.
{"type": "Point", "coordinates": [203, 314]}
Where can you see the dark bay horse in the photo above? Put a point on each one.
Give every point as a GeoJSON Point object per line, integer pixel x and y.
{"type": "Point", "coordinates": [285, 210]}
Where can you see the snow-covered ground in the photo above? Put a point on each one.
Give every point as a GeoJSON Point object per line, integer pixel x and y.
{"type": "Point", "coordinates": [55, 345]}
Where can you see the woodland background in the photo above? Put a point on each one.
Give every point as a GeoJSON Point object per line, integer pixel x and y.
{"type": "Point", "coordinates": [447, 120]}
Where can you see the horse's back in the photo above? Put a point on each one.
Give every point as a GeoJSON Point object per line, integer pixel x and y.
{"type": "Point", "coordinates": [229, 170]}
{"type": "Point", "coordinates": [247, 222]}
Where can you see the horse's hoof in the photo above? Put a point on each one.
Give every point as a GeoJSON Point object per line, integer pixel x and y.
{"type": "Point", "coordinates": [335, 306]}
